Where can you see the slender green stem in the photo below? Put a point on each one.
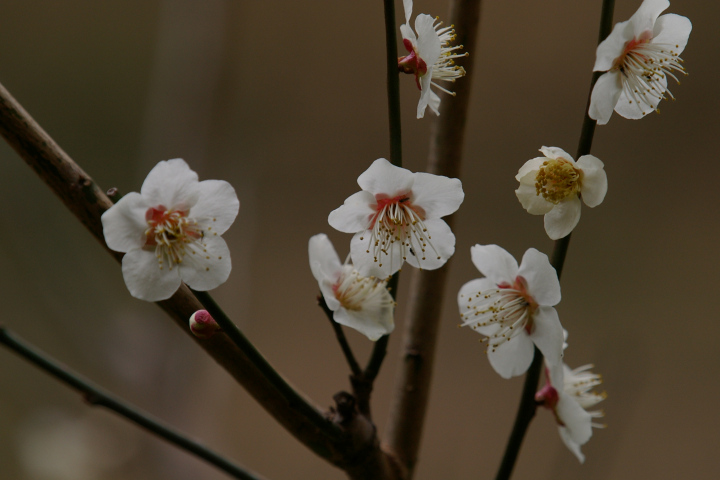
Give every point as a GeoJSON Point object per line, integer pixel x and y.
{"type": "Point", "coordinates": [526, 410]}
{"type": "Point", "coordinates": [340, 334]}
{"type": "Point", "coordinates": [294, 399]}
{"type": "Point", "coordinates": [393, 83]}
{"type": "Point", "coordinates": [96, 396]}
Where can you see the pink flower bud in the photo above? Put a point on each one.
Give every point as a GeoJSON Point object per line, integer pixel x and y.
{"type": "Point", "coordinates": [202, 325]}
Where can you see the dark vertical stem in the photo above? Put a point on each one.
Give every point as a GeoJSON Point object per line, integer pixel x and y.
{"type": "Point", "coordinates": [393, 92]}
{"type": "Point", "coordinates": [96, 396]}
{"type": "Point", "coordinates": [393, 83]}
{"type": "Point", "coordinates": [526, 410]}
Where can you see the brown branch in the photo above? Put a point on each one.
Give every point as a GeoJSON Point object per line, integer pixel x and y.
{"type": "Point", "coordinates": [87, 201]}
{"type": "Point", "coordinates": [412, 384]}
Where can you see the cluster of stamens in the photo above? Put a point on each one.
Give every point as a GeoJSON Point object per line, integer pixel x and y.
{"type": "Point", "coordinates": [578, 383]}
{"type": "Point", "coordinates": [644, 68]}
{"type": "Point", "coordinates": [557, 179]}
{"type": "Point", "coordinates": [445, 68]}
{"type": "Point", "coordinates": [355, 292]}
{"type": "Point", "coordinates": [173, 235]}
{"type": "Point", "coordinates": [398, 223]}
{"type": "Point", "coordinates": [507, 308]}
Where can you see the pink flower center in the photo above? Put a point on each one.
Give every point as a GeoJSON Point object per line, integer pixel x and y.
{"type": "Point", "coordinates": [412, 63]}
{"type": "Point", "coordinates": [170, 232]}
{"type": "Point", "coordinates": [398, 224]}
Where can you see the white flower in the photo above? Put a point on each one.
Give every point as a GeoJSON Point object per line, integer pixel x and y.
{"type": "Point", "coordinates": [570, 404]}
{"type": "Point", "coordinates": [396, 218]}
{"type": "Point", "coordinates": [171, 231]}
{"type": "Point", "coordinates": [551, 185]}
{"type": "Point", "coordinates": [638, 56]}
{"type": "Point", "coordinates": [513, 307]}
{"type": "Point", "coordinates": [358, 302]}
{"type": "Point", "coordinates": [430, 57]}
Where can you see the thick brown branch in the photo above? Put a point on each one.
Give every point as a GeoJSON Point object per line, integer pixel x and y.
{"type": "Point", "coordinates": [87, 202]}
{"type": "Point", "coordinates": [418, 352]}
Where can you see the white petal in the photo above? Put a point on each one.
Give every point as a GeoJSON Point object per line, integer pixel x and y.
{"type": "Point", "coordinates": [570, 444]}
{"type": "Point", "coordinates": [613, 46]}
{"type": "Point", "coordinates": [604, 97]}
{"type": "Point", "coordinates": [324, 261]}
{"type": "Point", "coordinates": [437, 195]}
{"type": "Point", "coordinates": [208, 267]}
{"type": "Point", "coordinates": [644, 19]}
{"type": "Point", "coordinates": [513, 357]}
{"type": "Point", "coordinates": [531, 166]}
{"type": "Point", "coordinates": [672, 30]}
{"type": "Point", "coordinates": [217, 205]}
{"type": "Point", "coordinates": [371, 322]}
{"type": "Point", "coordinates": [145, 279]}
{"type": "Point", "coordinates": [172, 184]}
{"type": "Point", "coordinates": [384, 178]}
{"type": "Point", "coordinates": [433, 102]}
{"type": "Point", "coordinates": [465, 297]}
{"type": "Point", "coordinates": [632, 109]}
{"type": "Point", "coordinates": [555, 153]}
{"type": "Point", "coordinates": [594, 181]}
{"type": "Point", "coordinates": [441, 244]}
{"type": "Point", "coordinates": [424, 92]}
{"type": "Point", "coordinates": [531, 201]}
{"type": "Point", "coordinates": [495, 263]}
{"type": "Point", "coordinates": [364, 261]}
{"type": "Point", "coordinates": [408, 6]}
{"type": "Point", "coordinates": [541, 277]}
{"type": "Point", "coordinates": [577, 421]}
{"type": "Point", "coordinates": [355, 214]}
{"type": "Point", "coordinates": [428, 40]}
{"type": "Point", "coordinates": [562, 219]}
{"type": "Point", "coordinates": [124, 223]}
{"type": "Point", "coordinates": [547, 334]}
{"type": "Point", "coordinates": [408, 34]}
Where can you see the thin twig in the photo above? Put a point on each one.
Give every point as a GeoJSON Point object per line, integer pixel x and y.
{"type": "Point", "coordinates": [340, 335]}
{"type": "Point", "coordinates": [96, 396]}
{"type": "Point", "coordinates": [527, 408]}
{"type": "Point", "coordinates": [412, 385]}
{"type": "Point", "coordinates": [87, 201]}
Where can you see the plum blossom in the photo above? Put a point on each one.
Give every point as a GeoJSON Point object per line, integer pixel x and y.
{"type": "Point", "coordinates": [569, 404]}
{"type": "Point", "coordinates": [430, 57]}
{"type": "Point", "coordinates": [396, 218]}
{"type": "Point", "coordinates": [553, 185]}
{"type": "Point", "coordinates": [638, 56]}
{"type": "Point", "coordinates": [513, 307]}
{"type": "Point", "coordinates": [170, 232]}
{"type": "Point", "coordinates": [362, 303]}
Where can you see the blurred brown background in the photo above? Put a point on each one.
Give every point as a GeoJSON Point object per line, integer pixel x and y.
{"type": "Point", "coordinates": [286, 100]}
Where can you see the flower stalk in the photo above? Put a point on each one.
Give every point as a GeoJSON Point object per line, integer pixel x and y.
{"type": "Point", "coordinates": [528, 406]}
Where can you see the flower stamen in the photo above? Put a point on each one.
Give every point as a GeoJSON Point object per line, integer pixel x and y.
{"type": "Point", "coordinates": [557, 179]}
{"type": "Point", "coordinates": [173, 234]}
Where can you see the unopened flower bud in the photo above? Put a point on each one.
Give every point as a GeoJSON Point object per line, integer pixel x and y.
{"type": "Point", "coordinates": [202, 325]}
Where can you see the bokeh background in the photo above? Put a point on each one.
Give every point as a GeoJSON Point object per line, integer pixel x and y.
{"type": "Point", "coordinates": [286, 101]}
